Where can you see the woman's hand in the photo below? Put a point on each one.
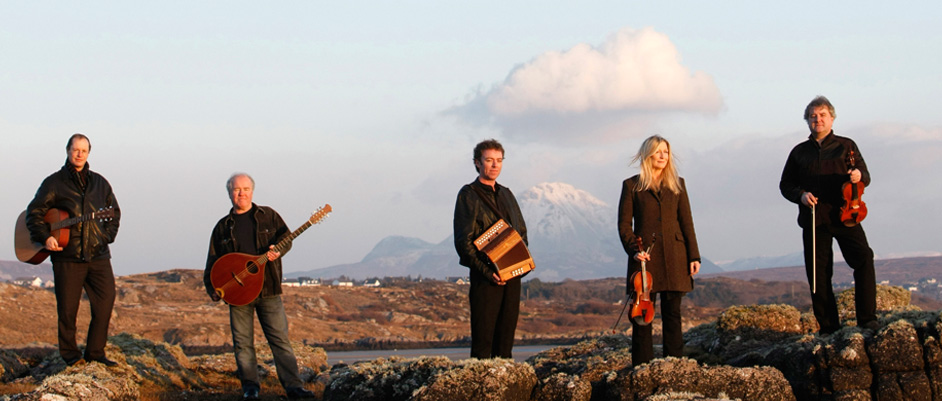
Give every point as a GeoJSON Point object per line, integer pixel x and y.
{"type": "Point", "coordinates": [642, 256]}
{"type": "Point", "coordinates": [694, 268]}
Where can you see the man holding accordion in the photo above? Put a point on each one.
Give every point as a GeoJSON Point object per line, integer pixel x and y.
{"type": "Point", "coordinates": [494, 295]}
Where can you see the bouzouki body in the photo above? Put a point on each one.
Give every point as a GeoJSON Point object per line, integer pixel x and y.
{"type": "Point", "coordinates": [34, 253]}
{"type": "Point", "coordinates": [237, 278]}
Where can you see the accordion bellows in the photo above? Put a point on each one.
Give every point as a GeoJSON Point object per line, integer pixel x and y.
{"type": "Point", "coordinates": [504, 246]}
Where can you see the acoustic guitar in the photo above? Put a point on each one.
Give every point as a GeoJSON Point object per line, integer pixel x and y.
{"type": "Point", "coordinates": [238, 277]}
{"type": "Point", "coordinates": [59, 222]}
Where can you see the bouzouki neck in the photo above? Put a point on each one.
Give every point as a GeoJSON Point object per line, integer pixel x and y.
{"type": "Point", "coordinates": [283, 245]}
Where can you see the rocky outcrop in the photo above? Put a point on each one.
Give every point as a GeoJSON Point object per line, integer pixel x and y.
{"type": "Point", "coordinates": [145, 366]}
{"type": "Point", "coordinates": [431, 379]}
{"type": "Point", "coordinates": [900, 361]}
{"type": "Point", "coordinates": [601, 369]}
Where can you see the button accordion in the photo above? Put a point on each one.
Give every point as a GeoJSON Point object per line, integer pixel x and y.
{"type": "Point", "coordinates": [504, 246]}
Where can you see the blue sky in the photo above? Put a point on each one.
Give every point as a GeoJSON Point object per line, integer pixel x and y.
{"type": "Point", "coordinates": [374, 107]}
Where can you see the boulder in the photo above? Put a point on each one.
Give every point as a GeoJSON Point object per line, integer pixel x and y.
{"type": "Point", "coordinates": [568, 370]}
{"type": "Point", "coordinates": [431, 379]}
{"type": "Point", "coordinates": [684, 375]}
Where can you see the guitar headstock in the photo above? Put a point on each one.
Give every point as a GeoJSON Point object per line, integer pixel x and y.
{"type": "Point", "coordinates": [104, 214]}
{"type": "Point", "coordinates": [320, 214]}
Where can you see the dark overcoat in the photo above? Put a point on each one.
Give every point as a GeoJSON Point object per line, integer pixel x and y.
{"type": "Point", "coordinates": [668, 215]}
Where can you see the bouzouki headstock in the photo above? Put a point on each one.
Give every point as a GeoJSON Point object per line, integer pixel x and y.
{"type": "Point", "coordinates": [320, 214]}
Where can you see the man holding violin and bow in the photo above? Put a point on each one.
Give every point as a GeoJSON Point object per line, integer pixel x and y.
{"type": "Point", "coordinates": [817, 175]}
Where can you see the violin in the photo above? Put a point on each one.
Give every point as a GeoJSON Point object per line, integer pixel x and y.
{"type": "Point", "coordinates": [642, 308]}
{"type": "Point", "coordinates": [854, 209]}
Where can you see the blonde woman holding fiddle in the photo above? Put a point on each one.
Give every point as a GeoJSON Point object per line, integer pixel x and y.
{"type": "Point", "coordinates": [654, 206]}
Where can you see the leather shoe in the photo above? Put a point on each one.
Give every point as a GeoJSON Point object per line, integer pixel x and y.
{"type": "Point", "coordinates": [104, 361]}
{"type": "Point", "coordinates": [71, 362]}
{"type": "Point", "coordinates": [300, 393]}
{"type": "Point", "coordinates": [250, 395]}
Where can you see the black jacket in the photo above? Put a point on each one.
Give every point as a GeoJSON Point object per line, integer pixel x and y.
{"type": "Point", "coordinates": [668, 215]}
{"type": "Point", "coordinates": [822, 170]}
{"type": "Point", "coordinates": [270, 229]}
{"type": "Point", "coordinates": [61, 190]}
{"type": "Point", "coordinates": [473, 217]}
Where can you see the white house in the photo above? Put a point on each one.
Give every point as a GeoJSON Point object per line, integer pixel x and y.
{"type": "Point", "coordinates": [29, 282]}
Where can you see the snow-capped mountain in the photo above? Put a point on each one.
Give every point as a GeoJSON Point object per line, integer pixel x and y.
{"type": "Point", "coordinates": [571, 234]}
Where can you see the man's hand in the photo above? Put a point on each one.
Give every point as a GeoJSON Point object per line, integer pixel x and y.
{"type": "Point", "coordinates": [52, 244]}
{"type": "Point", "coordinates": [854, 176]}
{"type": "Point", "coordinates": [496, 279]}
{"type": "Point", "coordinates": [272, 255]}
{"type": "Point", "coordinates": [694, 268]}
{"type": "Point", "coordinates": [810, 200]}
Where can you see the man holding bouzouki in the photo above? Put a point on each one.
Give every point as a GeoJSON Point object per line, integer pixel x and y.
{"type": "Point", "coordinates": [80, 255]}
{"type": "Point", "coordinates": [251, 229]}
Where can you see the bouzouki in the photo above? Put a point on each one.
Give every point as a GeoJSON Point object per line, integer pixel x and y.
{"type": "Point", "coordinates": [238, 277]}
{"type": "Point", "coordinates": [59, 222]}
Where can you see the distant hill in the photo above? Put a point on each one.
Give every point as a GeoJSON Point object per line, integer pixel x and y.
{"type": "Point", "coordinates": [13, 269]}
{"type": "Point", "coordinates": [921, 275]}
{"type": "Point", "coordinates": [572, 235]}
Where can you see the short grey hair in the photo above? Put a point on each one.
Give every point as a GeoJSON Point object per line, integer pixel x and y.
{"type": "Point", "coordinates": [236, 175]}
{"type": "Point", "coordinates": [819, 101]}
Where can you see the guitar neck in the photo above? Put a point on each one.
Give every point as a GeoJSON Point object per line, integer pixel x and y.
{"type": "Point", "coordinates": [74, 220]}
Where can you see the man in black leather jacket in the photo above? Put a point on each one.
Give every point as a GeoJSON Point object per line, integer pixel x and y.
{"type": "Point", "coordinates": [254, 229]}
{"type": "Point", "coordinates": [85, 261]}
{"type": "Point", "coordinates": [495, 304]}
{"type": "Point", "coordinates": [813, 177]}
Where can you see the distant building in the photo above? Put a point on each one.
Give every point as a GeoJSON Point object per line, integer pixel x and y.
{"type": "Point", "coordinates": [301, 282]}
{"type": "Point", "coordinates": [29, 282]}
{"type": "Point", "coordinates": [913, 288]}
{"type": "Point", "coordinates": [309, 282]}
{"type": "Point", "coordinates": [338, 283]}
{"type": "Point", "coordinates": [372, 283]}
{"type": "Point", "coordinates": [458, 280]}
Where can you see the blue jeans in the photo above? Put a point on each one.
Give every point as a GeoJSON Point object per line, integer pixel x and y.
{"type": "Point", "coordinates": [271, 316]}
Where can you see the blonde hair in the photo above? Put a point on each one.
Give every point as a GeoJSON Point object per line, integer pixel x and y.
{"type": "Point", "coordinates": [669, 178]}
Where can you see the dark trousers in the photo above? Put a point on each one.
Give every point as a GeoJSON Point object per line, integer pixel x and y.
{"type": "Point", "coordinates": [642, 343]}
{"type": "Point", "coordinates": [494, 311]}
{"type": "Point", "coordinates": [858, 255]}
{"type": "Point", "coordinates": [97, 279]}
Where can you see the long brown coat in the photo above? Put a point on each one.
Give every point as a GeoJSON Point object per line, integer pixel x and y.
{"type": "Point", "coordinates": [668, 215]}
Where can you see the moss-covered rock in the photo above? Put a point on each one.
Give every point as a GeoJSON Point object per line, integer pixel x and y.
{"type": "Point", "coordinates": [683, 375]}
{"type": "Point", "coordinates": [431, 379]}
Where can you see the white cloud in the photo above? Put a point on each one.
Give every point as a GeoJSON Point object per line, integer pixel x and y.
{"type": "Point", "coordinates": [633, 72]}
